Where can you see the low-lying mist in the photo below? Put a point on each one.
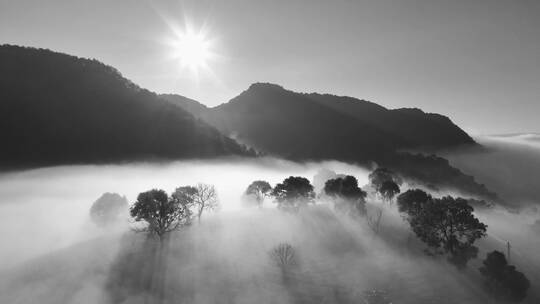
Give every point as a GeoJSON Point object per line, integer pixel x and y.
{"type": "Point", "coordinates": [45, 209]}
{"type": "Point", "coordinates": [510, 166]}
{"type": "Point", "coordinates": [53, 253]}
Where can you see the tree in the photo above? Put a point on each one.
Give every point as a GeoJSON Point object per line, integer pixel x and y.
{"type": "Point", "coordinates": [381, 175]}
{"type": "Point", "coordinates": [185, 196]}
{"type": "Point", "coordinates": [258, 191]}
{"type": "Point", "coordinates": [503, 281]}
{"type": "Point", "coordinates": [293, 193]}
{"type": "Point", "coordinates": [205, 199]}
{"type": "Point", "coordinates": [447, 224]}
{"type": "Point", "coordinates": [410, 201]}
{"type": "Point", "coordinates": [161, 213]}
{"type": "Point", "coordinates": [284, 256]}
{"type": "Point", "coordinates": [108, 209]}
{"type": "Point", "coordinates": [346, 194]}
{"type": "Point", "coordinates": [321, 177]}
{"type": "Point", "coordinates": [374, 221]}
{"type": "Point", "coordinates": [389, 189]}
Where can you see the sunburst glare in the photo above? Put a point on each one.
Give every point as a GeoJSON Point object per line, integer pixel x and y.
{"type": "Point", "coordinates": [193, 49]}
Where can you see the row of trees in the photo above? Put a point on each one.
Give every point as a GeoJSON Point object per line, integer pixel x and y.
{"type": "Point", "coordinates": [296, 192]}
{"type": "Point", "coordinates": [162, 213]}
{"type": "Point", "coordinates": [188, 202]}
{"type": "Point", "coordinates": [447, 225]}
{"type": "Point", "coordinates": [292, 194]}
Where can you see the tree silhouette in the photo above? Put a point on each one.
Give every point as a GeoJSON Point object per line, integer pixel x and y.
{"type": "Point", "coordinates": [381, 175]}
{"type": "Point", "coordinates": [293, 193]}
{"type": "Point", "coordinates": [346, 194]}
{"type": "Point", "coordinates": [161, 213]}
{"type": "Point", "coordinates": [503, 281]}
{"type": "Point", "coordinates": [445, 224]}
{"type": "Point", "coordinates": [389, 189]}
{"type": "Point", "coordinates": [205, 199]}
{"type": "Point", "coordinates": [108, 208]}
{"type": "Point", "coordinates": [410, 201]}
{"type": "Point", "coordinates": [374, 221]}
{"type": "Point", "coordinates": [284, 256]}
{"type": "Point", "coordinates": [258, 191]}
{"type": "Point", "coordinates": [185, 196]}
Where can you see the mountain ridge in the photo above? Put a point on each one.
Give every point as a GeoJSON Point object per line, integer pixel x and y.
{"type": "Point", "coordinates": [57, 108]}
{"type": "Point", "coordinates": [385, 129]}
{"type": "Point", "coordinates": [60, 109]}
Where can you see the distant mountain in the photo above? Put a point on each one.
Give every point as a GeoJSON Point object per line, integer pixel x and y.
{"type": "Point", "coordinates": [314, 126]}
{"type": "Point", "coordinates": [56, 108]}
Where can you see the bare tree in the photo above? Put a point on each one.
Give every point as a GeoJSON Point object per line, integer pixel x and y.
{"type": "Point", "coordinates": [374, 221]}
{"type": "Point", "coordinates": [205, 199]}
{"type": "Point", "coordinates": [284, 256]}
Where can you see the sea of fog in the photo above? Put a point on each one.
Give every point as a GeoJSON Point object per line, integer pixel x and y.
{"type": "Point", "coordinates": [46, 209]}
{"type": "Point", "coordinates": [53, 253]}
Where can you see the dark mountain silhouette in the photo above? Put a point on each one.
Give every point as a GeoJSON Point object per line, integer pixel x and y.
{"type": "Point", "coordinates": [291, 125]}
{"type": "Point", "coordinates": [60, 109]}
{"type": "Point", "coordinates": [415, 128]}
{"type": "Point", "coordinates": [194, 107]}
{"type": "Point", "coordinates": [313, 126]}
{"type": "Point", "coordinates": [56, 108]}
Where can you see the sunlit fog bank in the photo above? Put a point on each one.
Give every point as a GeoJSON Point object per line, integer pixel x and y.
{"type": "Point", "coordinates": [53, 252]}
{"type": "Point", "coordinates": [46, 209]}
{"type": "Point", "coordinates": [510, 166]}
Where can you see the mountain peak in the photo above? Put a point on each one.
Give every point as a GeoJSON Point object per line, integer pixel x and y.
{"type": "Point", "coordinates": [265, 86]}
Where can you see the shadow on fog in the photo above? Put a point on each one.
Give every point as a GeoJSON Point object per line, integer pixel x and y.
{"type": "Point", "coordinates": [226, 259]}
{"type": "Point", "coordinates": [229, 260]}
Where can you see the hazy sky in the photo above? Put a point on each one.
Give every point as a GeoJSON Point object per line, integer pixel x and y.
{"type": "Point", "coordinates": [477, 61]}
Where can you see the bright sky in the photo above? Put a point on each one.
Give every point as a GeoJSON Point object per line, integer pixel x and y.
{"type": "Point", "coordinates": [477, 61]}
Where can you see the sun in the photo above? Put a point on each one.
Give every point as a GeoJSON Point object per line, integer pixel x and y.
{"type": "Point", "coordinates": [192, 49]}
